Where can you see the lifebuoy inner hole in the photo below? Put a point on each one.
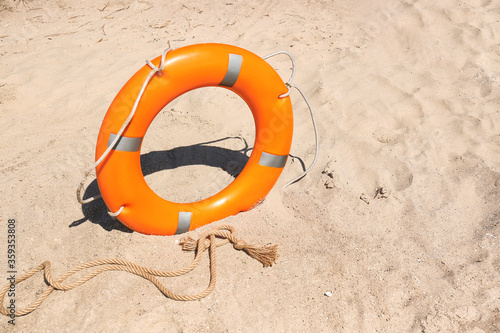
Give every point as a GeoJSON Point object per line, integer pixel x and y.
{"type": "Point", "coordinates": [197, 144]}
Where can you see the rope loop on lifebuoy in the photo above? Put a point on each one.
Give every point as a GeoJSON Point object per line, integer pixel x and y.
{"type": "Point", "coordinates": [155, 70]}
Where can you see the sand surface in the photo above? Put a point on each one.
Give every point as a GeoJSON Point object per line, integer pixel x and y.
{"type": "Point", "coordinates": [399, 220]}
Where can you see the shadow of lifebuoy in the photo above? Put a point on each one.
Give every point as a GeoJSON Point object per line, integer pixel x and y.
{"type": "Point", "coordinates": [228, 160]}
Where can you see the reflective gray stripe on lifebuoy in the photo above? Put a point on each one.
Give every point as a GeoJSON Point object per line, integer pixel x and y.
{"type": "Point", "coordinates": [273, 161]}
{"type": "Point", "coordinates": [233, 70]}
{"type": "Point", "coordinates": [125, 143]}
{"type": "Point", "coordinates": [184, 222]}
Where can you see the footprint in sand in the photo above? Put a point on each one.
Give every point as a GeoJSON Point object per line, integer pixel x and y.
{"type": "Point", "coordinates": [331, 179]}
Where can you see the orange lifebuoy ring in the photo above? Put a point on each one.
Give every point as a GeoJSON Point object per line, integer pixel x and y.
{"type": "Point", "coordinates": [121, 182]}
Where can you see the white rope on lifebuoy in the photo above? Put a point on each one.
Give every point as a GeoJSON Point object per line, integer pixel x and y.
{"type": "Point", "coordinates": [290, 85]}
{"type": "Point", "coordinates": [154, 70]}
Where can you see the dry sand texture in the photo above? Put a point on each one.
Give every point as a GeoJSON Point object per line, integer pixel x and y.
{"type": "Point", "coordinates": [399, 220]}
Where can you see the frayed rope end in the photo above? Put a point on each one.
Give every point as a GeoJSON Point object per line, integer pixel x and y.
{"type": "Point", "coordinates": [266, 255]}
{"type": "Point", "coordinates": [188, 243]}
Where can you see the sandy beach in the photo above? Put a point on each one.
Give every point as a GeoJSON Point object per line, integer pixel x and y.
{"type": "Point", "coordinates": [395, 229]}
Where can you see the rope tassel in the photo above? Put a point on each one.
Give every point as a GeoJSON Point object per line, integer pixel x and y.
{"type": "Point", "coordinates": [210, 240]}
{"type": "Point", "coordinates": [266, 254]}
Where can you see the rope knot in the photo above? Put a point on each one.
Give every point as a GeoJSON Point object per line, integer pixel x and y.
{"type": "Point", "coordinates": [240, 245]}
{"type": "Point", "coordinates": [159, 70]}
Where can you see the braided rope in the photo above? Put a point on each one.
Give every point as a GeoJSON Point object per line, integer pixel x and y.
{"type": "Point", "coordinates": [266, 254]}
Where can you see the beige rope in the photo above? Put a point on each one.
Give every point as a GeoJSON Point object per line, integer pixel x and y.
{"type": "Point", "coordinates": [266, 254]}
